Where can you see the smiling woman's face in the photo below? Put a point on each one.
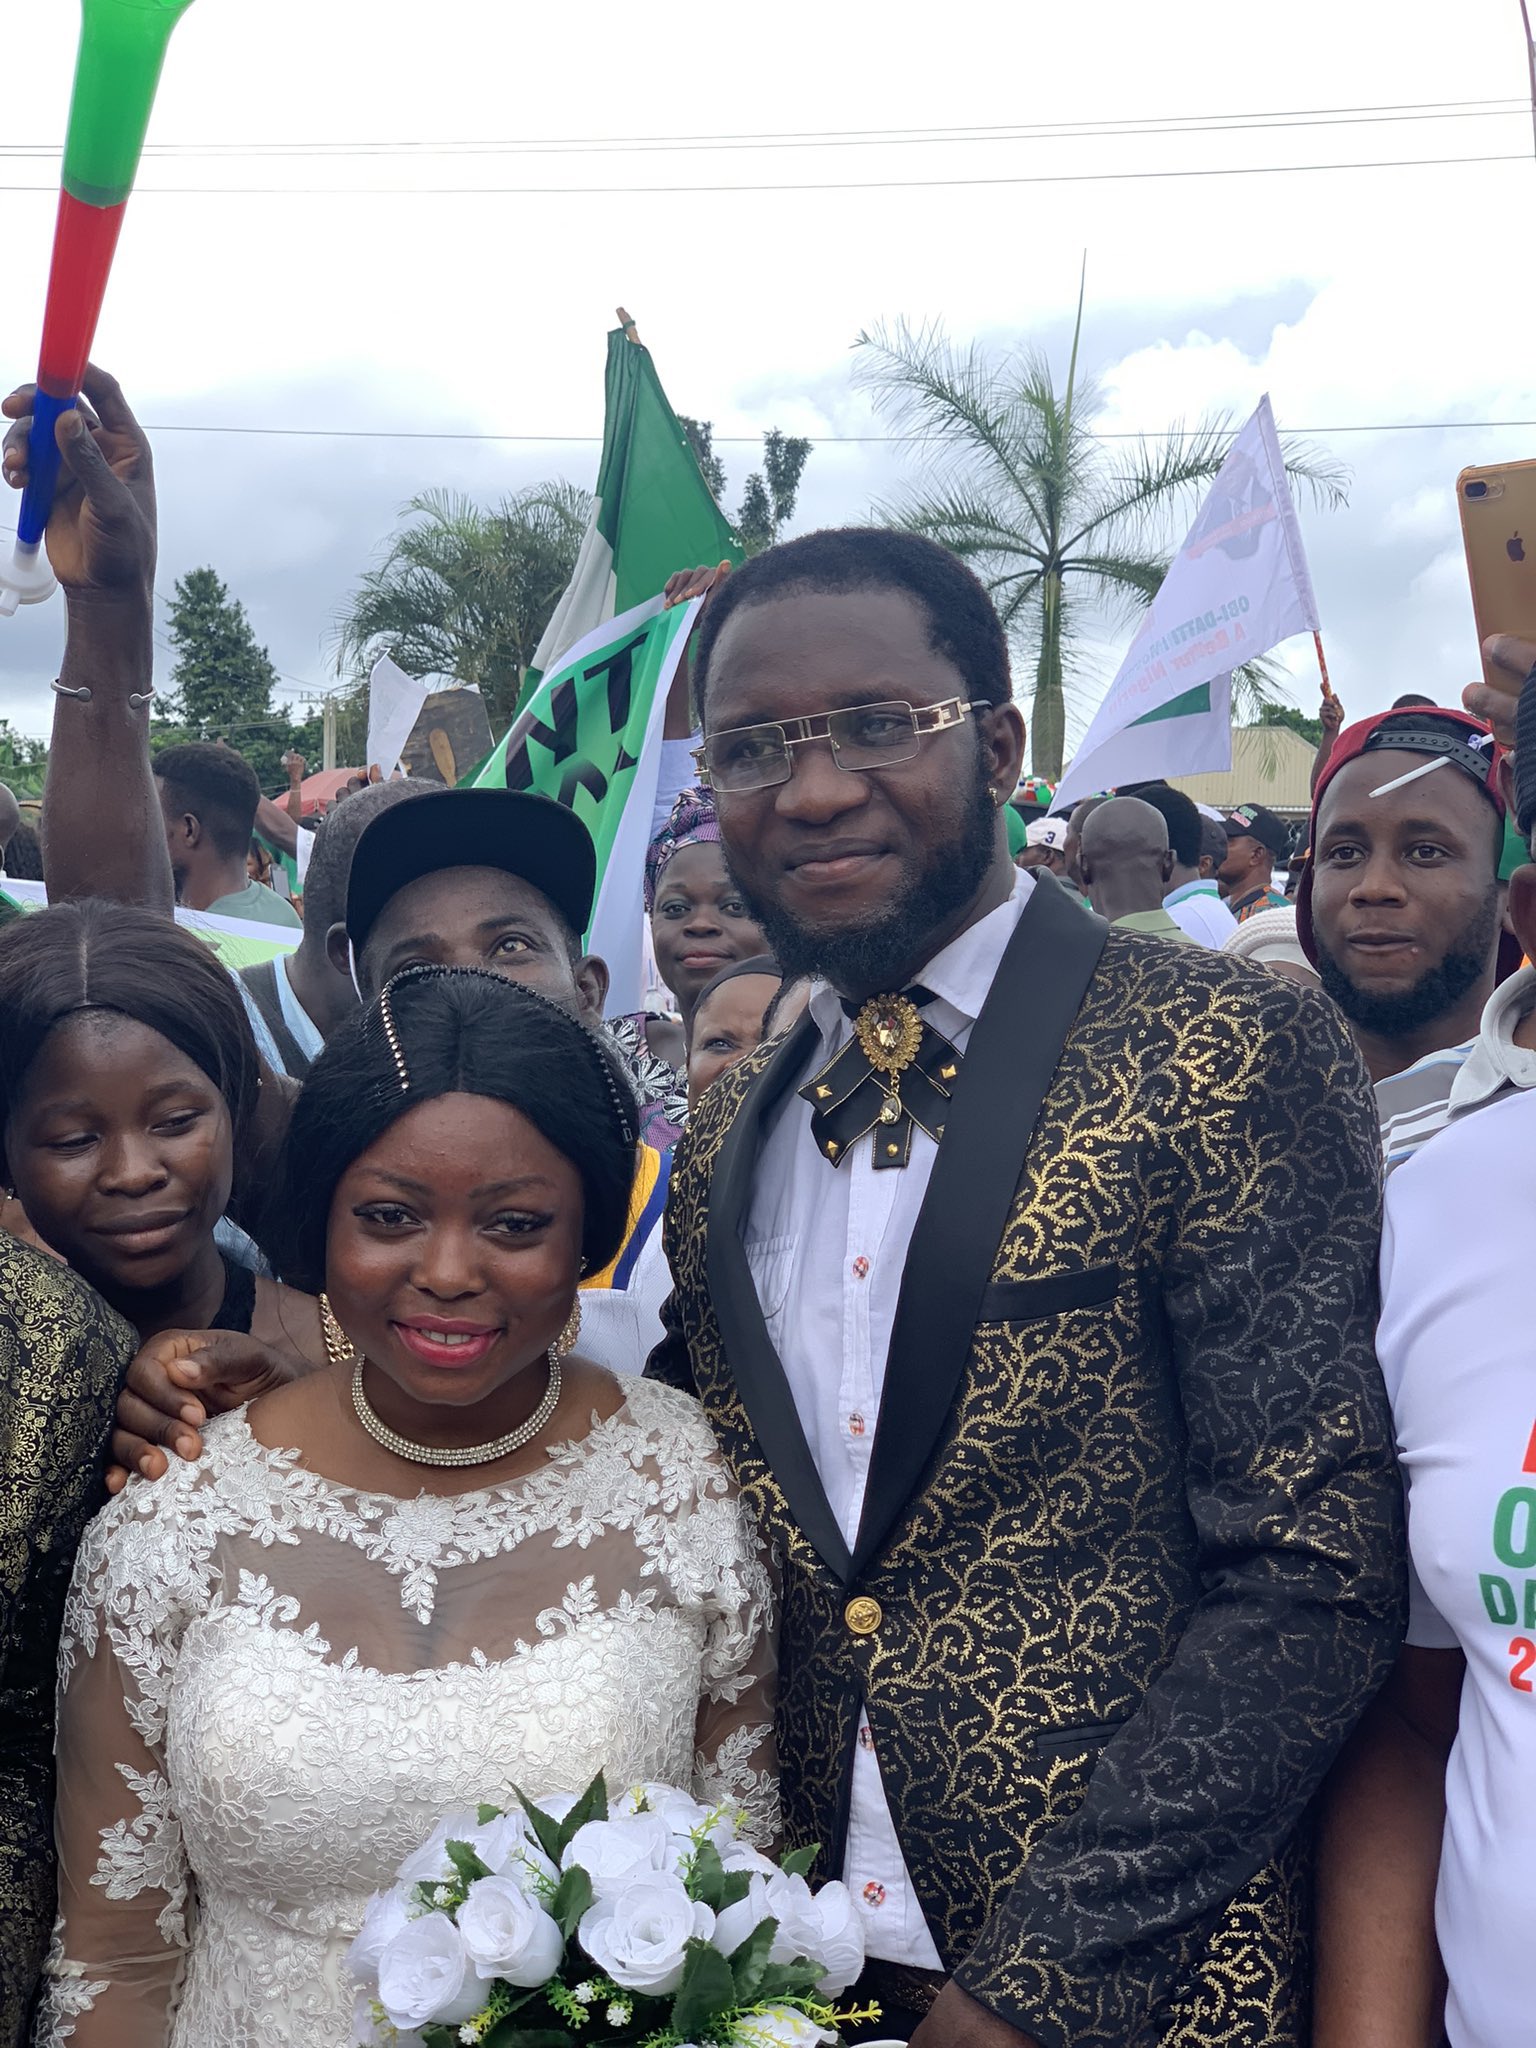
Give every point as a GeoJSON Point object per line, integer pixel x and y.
{"type": "Point", "coordinates": [120, 1149]}
{"type": "Point", "coordinates": [700, 923]}
{"type": "Point", "coordinates": [453, 1254]}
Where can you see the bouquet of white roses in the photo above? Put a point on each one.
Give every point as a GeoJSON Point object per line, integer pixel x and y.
{"type": "Point", "coordinates": [563, 1922]}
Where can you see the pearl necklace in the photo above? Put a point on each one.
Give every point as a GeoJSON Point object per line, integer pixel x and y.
{"type": "Point", "coordinates": [433, 1454]}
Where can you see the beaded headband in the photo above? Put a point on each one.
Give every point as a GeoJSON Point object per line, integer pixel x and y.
{"type": "Point", "coordinates": [624, 1111]}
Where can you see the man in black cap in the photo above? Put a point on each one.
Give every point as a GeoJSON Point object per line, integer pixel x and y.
{"type": "Point", "coordinates": [1256, 839]}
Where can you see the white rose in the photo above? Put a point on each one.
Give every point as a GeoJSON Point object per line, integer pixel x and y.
{"type": "Point", "coordinates": [508, 1847]}
{"type": "Point", "coordinates": [506, 1935]}
{"type": "Point", "coordinates": [780, 2026]}
{"type": "Point", "coordinates": [680, 1810]}
{"type": "Point", "coordinates": [612, 1852]}
{"type": "Point", "coordinates": [792, 1903]}
{"type": "Point", "coordinates": [840, 1943]}
{"type": "Point", "coordinates": [742, 1856]}
{"type": "Point", "coordinates": [386, 1916]}
{"type": "Point", "coordinates": [735, 1923]}
{"type": "Point", "coordinates": [425, 1975]}
{"type": "Point", "coordinates": [639, 1937]}
{"type": "Point", "coordinates": [429, 1864]}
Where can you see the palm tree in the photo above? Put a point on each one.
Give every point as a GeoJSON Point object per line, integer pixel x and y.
{"type": "Point", "coordinates": [1058, 527]}
{"type": "Point", "coordinates": [466, 593]}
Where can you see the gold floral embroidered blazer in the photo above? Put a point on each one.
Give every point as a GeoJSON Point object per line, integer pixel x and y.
{"type": "Point", "coordinates": [1130, 1559]}
{"type": "Point", "coordinates": [62, 1356]}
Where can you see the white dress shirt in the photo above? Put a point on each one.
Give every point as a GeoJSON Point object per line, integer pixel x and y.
{"type": "Point", "coordinates": [827, 1247]}
{"type": "Point", "coordinates": [1196, 907]}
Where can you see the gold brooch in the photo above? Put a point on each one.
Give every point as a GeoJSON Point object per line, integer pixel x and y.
{"type": "Point", "coordinates": [889, 1031]}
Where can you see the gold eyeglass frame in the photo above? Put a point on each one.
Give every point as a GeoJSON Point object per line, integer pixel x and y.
{"type": "Point", "coordinates": [927, 719]}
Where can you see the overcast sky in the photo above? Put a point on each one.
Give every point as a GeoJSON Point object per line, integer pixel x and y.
{"type": "Point", "coordinates": [392, 298]}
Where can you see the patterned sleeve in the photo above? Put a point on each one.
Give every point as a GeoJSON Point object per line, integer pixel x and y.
{"type": "Point", "coordinates": [717, 1565]}
{"type": "Point", "coordinates": [1269, 1288]}
{"type": "Point", "coordinates": [113, 1974]}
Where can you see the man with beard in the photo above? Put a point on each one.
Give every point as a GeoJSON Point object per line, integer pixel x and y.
{"type": "Point", "coordinates": [1400, 906]}
{"type": "Point", "coordinates": [1028, 1283]}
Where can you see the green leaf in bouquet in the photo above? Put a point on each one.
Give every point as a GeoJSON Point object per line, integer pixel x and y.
{"type": "Point", "coordinates": [734, 1888]}
{"type": "Point", "coordinates": [573, 1895]}
{"type": "Point", "coordinates": [706, 1876]}
{"type": "Point", "coordinates": [440, 2037]}
{"type": "Point", "coordinates": [783, 1981]}
{"type": "Point", "coordinates": [546, 1832]}
{"type": "Point", "coordinates": [708, 1989]}
{"type": "Point", "coordinates": [799, 1862]}
{"type": "Point", "coordinates": [465, 1861]}
{"type": "Point", "coordinates": [509, 2033]}
{"type": "Point", "coordinates": [750, 1960]}
{"type": "Point", "coordinates": [486, 1814]}
{"type": "Point", "coordinates": [592, 1805]}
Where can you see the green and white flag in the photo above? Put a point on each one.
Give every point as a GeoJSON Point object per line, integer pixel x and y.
{"type": "Point", "coordinates": [238, 941]}
{"type": "Point", "coordinates": [653, 513]}
{"type": "Point", "coordinates": [590, 737]}
{"type": "Point", "coordinates": [1237, 587]}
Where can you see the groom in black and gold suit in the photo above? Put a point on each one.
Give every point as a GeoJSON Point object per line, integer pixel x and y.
{"type": "Point", "coordinates": [1029, 1284]}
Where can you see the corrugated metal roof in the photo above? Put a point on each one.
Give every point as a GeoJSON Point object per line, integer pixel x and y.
{"type": "Point", "coordinates": [1270, 765]}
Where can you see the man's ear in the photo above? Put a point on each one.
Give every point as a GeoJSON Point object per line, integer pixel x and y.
{"type": "Point", "coordinates": [1168, 867]}
{"type": "Point", "coordinates": [337, 951]}
{"type": "Point", "coordinates": [591, 977]}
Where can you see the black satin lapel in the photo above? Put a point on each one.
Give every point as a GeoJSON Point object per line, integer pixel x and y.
{"type": "Point", "coordinates": [755, 1365]}
{"type": "Point", "coordinates": [1006, 1073]}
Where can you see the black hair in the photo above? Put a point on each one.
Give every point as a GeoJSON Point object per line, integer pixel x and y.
{"type": "Point", "coordinates": [217, 786]}
{"type": "Point", "coordinates": [760, 963]}
{"type": "Point", "coordinates": [1213, 840]}
{"type": "Point", "coordinates": [1178, 814]}
{"type": "Point", "coordinates": [94, 956]}
{"type": "Point", "coordinates": [24, 854]}
{"type": "Point", "coordinates": [458, 1030]}
{"type": "Point", "coordinates": [335, 842]}
{"type": "Point", "coordinates": [1412, 701]}
{"type": "Point", "coordinates": [963, 624]}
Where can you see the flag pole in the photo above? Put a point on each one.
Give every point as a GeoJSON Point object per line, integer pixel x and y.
{"type": "Point", "coordinates": [1322, 663]}
{"type": "Point", "coordinates": [631, 331]}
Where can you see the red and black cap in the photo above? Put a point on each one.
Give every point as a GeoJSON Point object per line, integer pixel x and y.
{"type": "Point", "coordinates": [1455, 737]}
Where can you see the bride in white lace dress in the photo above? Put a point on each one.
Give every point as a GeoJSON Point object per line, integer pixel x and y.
{"type": "Point", "coordinates": [282, 1664]}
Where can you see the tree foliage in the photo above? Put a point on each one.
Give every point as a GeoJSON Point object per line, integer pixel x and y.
{"type": "Point", "coordinates": [465, 593]}
{"type": "Point", "coordinates": [221, 679]}
{"type": "Point", "coordinates": [769, 496]}
{"type": "Point", "coordinates": [1064, 529]}
{"type": "Point", "coordinates": [1310, 729]}
{"type": "Point", "coordinates": [23, 761]}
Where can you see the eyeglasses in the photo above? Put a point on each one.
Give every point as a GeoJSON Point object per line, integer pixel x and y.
{"type": "Point", "coordinates": [865, 736]}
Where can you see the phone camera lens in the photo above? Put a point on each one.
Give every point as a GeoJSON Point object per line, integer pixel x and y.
{"type": "Point", "coordinates": [1477, 490]}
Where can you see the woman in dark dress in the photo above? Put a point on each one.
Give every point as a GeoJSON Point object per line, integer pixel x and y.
{"type": "Point", "coordinates": [127, 1080]}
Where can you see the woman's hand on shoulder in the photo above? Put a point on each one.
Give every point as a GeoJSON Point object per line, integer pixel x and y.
{"type": "Point", "coordinates": [176, 1382]}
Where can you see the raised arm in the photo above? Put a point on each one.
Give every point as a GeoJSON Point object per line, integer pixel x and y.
{"type": "Point", "coordinates": [1269, 1288]}
{"type": "Point", "coordinates": [102, 829]}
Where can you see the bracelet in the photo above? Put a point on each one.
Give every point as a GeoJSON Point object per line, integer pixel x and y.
{"type": "Point", "coordinates": [137, 699]}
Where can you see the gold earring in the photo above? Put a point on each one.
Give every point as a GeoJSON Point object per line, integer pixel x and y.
{"type": "Point", "coordinates": [338, 1349]}
{"type": "Point", "coordinates": [566, 1342]}
{"type": "Point", "coordinates": [997, 799]}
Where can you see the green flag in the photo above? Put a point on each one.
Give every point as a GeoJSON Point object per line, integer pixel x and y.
{"type": "Point", "coordinates": [653, 511]}
{"type": "Point", "coordinates": [590, 737]}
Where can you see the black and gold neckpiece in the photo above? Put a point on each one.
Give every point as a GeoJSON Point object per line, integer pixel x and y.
{"type": "Point", "coordinates": [896, 1071]}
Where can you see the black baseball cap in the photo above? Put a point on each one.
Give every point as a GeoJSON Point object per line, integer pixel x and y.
{"type": "Point", "coordinates": [541, 842]}
{"type": "Point", "coordinates": [1252, 821]}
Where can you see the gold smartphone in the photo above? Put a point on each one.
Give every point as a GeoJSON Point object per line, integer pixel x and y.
{"type": "Point", "coordinates": [1497, 502]}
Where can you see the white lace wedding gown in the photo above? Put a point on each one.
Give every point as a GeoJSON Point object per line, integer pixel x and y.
{"type": "Point", "coordinates": [272, 1687]}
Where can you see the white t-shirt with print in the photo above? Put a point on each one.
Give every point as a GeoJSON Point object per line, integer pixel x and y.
{"type": "Point", "coordinates": [1458, 1348]}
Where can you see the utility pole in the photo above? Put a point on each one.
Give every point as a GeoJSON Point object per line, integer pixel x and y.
{"type": "Point", "coordinates": [328, 733]}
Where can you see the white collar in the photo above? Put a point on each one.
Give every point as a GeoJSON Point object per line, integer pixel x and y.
{"type": "Point", "coordinates": [959, 974]}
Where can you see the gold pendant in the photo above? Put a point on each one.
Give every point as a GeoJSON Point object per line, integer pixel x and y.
{"type": "Point", "coordinates": [889, 1031]}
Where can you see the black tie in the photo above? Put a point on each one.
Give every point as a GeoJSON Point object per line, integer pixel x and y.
{"type": "Point", "coordinates": [896, 1071]}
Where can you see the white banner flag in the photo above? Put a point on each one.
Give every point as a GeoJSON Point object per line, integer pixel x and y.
{"type": "Point", "coordinates": [1237, 587]}
{"type": "Point", "coordinates": [394, 705]}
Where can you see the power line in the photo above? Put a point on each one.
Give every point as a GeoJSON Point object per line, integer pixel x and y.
{"type": "Point", "coordinates": [829, 138]}
{"type": "Point", "coordinates": [753, 440]}
{"type": "Point", "coordinates": [873, 138]}
{"type": "Point", "coordinates": [631, 191]}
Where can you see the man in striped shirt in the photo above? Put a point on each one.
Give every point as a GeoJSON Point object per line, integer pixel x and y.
{"type": "Point", "coordinates": [1400, 906]}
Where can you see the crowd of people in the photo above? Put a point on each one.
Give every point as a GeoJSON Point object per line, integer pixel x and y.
{"type": "Point", "coordinates": [940, 1384]}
